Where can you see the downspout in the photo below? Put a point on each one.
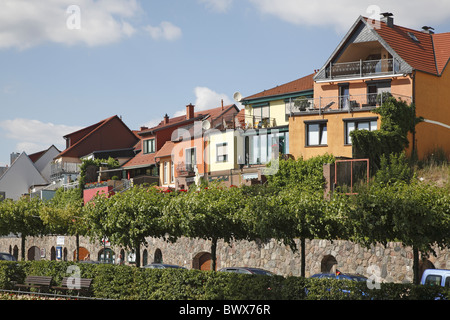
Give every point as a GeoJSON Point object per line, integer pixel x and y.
{"type": "Point", "coordinates": [413, 149]}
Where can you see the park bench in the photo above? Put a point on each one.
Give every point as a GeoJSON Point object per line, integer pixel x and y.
{"type": "Point", "coordinates": [80, 285]}
{"type": "Point", "coordinates": [37, 282]}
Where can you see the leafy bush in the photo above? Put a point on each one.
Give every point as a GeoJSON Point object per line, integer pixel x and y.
{"type": "Point", "coordinates": [130, 283]}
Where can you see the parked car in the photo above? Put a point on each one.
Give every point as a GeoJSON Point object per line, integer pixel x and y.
{"type": "Point", "coordinates": [7, 257]}
{"type": "Point", "coordinates": [246, 270]}
{"type": "Point", "coordinates": [340, 276]}
{"type": "Point", "coordinates": [436, 277]}
{"type": "Point", "coordinates": [162, 266]}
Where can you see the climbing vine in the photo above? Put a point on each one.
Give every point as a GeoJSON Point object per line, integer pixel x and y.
{"type": "Point", "coordinates": [111, 163]}
{"type": "Point", "coordinates": [397, 120]}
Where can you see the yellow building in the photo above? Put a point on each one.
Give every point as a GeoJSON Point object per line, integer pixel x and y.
{"type": "Point", "coordinates": [267, 116]}
{"type": "Point", "coordinates": [376, 59]}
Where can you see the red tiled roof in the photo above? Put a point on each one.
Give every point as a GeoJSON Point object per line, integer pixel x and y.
{"type": "Point", "coordinates": [82, 136]}
{"type": "Point", "coordinates": [166, 150]}
{"type": "Point", "coordinates": [180, 119]}
{"type": "Point", "coordinates": [429, 54]}
{"type": "Point", "coordinates": [418, 54]}
{"type": "Point", "coordinates": [36, 156]}
{"type": "Point", "coordinates": [442, 50]}
{"type": "Point", "coordinates": [302, 84]}
{"type": "Point", "coordinates": [142, 159]}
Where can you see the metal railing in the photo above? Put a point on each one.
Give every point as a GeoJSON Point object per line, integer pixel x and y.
{"type": "Point", "coordinates": [60, 168]}
{"type": "Point", "coordinates": [363, 68]}
{"type": "Point", "coordinates": [343, 103]}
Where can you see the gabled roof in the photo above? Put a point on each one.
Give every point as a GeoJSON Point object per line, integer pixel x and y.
{"type": "Point", "coordinates": [427, 52]}
{"type": "Point", "coordinates": [20, 176]}
{"type": "Point", "coordinates": [144, 160]}
{"type": "Point", "coordinates": [166, 150]}
{"type": "Point", "coordinates": [81, 144]}
{"type": "Point", "coordinates": [36, 156]}
{"type": "Point", "coordinates": [303, 84]}
{"type": "Point", "coordinates": [182, 120]}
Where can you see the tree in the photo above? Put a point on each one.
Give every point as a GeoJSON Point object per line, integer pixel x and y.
{"type": "Point", "coordinates": [415, 214]}
{"type": "Point", "coordinates": [210, 213]}
{"type": "Point", "coordinates": [127, 218]}
{"type": "Point", "coordinates": [22, 218]}
{"type": "Point", "coordinates": [295, 213]}
{"type": "Point", "coordinates": [300, 173]}
{"type": "Point", "coordinates": [63, 214]}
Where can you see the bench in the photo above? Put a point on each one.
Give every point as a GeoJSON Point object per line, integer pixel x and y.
{"type": "Point", "coordinates": [37, 282]}
{"type": "Point", "coordinates": [81, 285]}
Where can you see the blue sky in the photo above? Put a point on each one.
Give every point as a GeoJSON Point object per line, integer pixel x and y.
{"type": "Point", "coordinates": [143, 59]}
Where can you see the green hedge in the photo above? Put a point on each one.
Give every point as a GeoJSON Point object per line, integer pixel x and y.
{"type": "Point", "coordinates": [131, 283]}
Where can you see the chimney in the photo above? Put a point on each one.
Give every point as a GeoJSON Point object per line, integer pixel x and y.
{"type": "Point", "coordinates": [387, 18]}
{"type": "Point", "coordinates": [144, 128]}
{"type": "Point", "coordinates": [429, 30]}
{"type": "Point", "coordinates": [166, 119]}
{"type": "Point", "coordinates": [222, 104]}
{"type": "Point", "coordinates": [189, 111]}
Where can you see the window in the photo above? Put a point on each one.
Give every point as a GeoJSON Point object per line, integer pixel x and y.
{"type": "Point", "coordinates": [172, 172]}
{"type": "Point", "coordinates": [316, 134]}
{"type": "Point", "coordinates": [221, 152]}
{"type": "Point", "coordinates": [344, 94]}
{"type": "Point", "coordinates": [261, 147]}
{"type": "Point", "coordinates": [191, 159]}
{"type": "Point", "coordinates": [433, 280]}
{"type": "Point", "coordinates": [361, 124]}
{"type": "Point", "coordinates": [149, 146]}
{"type": "Point", "coordinates": [166, 173]}
{"type": "Point", "coordinates": [260, 113]}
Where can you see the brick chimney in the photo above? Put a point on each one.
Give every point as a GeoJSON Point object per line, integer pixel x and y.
{"type": "Point", "coordinates": [189, 111]}
{"type": "Point", "coordinates": [166, 119]}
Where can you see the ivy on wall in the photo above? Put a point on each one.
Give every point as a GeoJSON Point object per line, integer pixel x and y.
{"type": "Point", "coordinates": [110, 163]}
{"type": "Point", "coordinates": [397, 120]}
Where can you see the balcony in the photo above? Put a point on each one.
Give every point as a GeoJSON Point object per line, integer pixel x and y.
{"type": "Point", "coordinates": [61, 169]}
{"type": "Point", "coordinates": [347, 103]}
{"type": "Point", "coordinates": [185, 170]}
{"type": "Point", "coordinates": [360, 69]}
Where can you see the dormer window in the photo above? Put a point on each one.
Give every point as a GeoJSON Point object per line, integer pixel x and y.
{"type": "Point", "coordinates": [149, 146]}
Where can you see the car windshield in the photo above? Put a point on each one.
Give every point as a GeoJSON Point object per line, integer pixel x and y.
{"type": "Point", "coordinates": [259, 271]}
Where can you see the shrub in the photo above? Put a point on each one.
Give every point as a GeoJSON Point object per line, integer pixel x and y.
{"type": "Point", "coordinates": [131, 283]}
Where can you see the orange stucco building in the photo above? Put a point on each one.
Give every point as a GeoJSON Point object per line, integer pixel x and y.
{"type": "Point", "coordinates": [374, 60]}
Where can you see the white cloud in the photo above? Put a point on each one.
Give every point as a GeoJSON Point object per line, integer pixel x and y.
{"type": "Point", "coordinates": [342, 14]}
{"type": "Point", "coordinates": [25, 24]}
{"type": "Point", "coordinates": [207, 99]}
{"type": "Point", "coordinates": [166, 31]}
{"type": "Point", "coordinates": [217, 5]}
{"type": "Point", "coordinates": [33, 135]}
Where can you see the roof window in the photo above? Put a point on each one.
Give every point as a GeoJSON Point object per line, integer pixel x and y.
{"type": "Point", "coordinates": [413, 37]}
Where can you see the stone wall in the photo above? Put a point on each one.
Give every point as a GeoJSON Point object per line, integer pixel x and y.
{"type": "Point", "coordinates": [392, 263]}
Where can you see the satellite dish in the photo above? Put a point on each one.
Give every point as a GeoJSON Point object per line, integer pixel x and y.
{"type": "Point", "coordinates": [237, 97]}
{"type": "Point", "coordinates": [206, 125]}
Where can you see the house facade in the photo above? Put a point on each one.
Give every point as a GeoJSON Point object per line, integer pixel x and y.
{"type": "Point", "coordinates": [21, 178]}
{"type": "Point", "coordinates": [376, 60]}
{"type": "Point", "coordinates": [107, 136]}
{"type": "Point", "coordinates": [186, 158]}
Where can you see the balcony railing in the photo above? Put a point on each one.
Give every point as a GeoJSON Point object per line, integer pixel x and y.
{"type": "Point", "coordinates": [185, 170]}
{"type": "Point", "coordinates": [362, 69]}
{"type": "Point", "coordinates": [64, 168]}
{"type": "Point", "coordinates": [347, 103]}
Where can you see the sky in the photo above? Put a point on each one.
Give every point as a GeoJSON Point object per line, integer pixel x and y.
{"type": "Point", "coordinates": [67, 64]}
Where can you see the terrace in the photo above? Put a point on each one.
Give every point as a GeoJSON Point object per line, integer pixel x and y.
{"type": "Point", "coordinates": [344, 103]}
